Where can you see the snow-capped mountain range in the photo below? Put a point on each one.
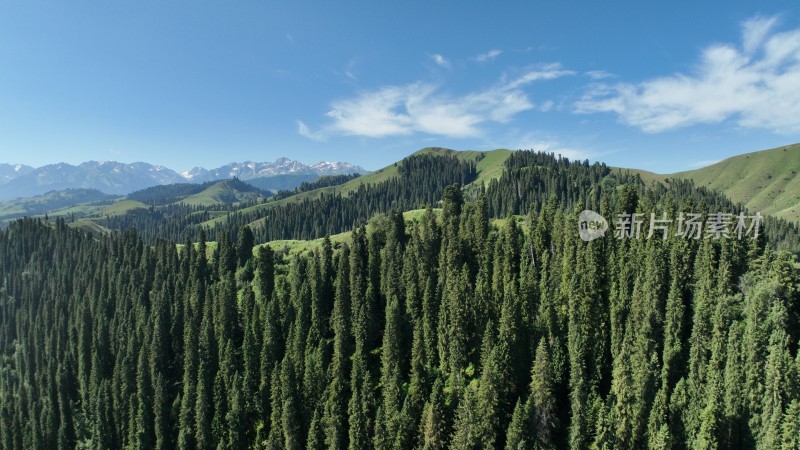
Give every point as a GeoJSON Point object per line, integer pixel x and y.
{"type": "Point", "coordinates": [282, 166]}
{"type": "Point", "coordinates": [113, 177]}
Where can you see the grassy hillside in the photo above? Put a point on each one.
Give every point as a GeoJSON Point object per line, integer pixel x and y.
{"type": "Point", "coordinates": [121, 207]}
{"type": "Point", "coordinates": [298, 246]}
{"type": "Point", "coordinates": [100, 210]}
{"type": "Point", "coordinates": [765, 181]}
{"type": "Point", "coordinates": [223, 192]}
{"type": "Point", "coordinates": [491, 166]}
{"type": "Point", "coordinates": [53, 200]}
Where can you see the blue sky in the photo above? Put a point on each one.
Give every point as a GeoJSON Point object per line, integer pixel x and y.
{"type": "Point", "coordinates": [664, 86]}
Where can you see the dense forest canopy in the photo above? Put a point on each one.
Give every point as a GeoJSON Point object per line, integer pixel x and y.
{"type": "Point", "coordinates": [447, 331]}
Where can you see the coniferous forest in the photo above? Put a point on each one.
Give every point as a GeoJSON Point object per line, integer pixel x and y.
{"type": "Point", "coordinates": [450, 330]}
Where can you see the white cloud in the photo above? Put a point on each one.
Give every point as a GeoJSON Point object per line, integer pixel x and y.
{"type": "Point", "coordinates": [756, 85]}
{"type": "Point", "coordinates": [304, 131]}
{"type": "Point", "coordinates": [421, 107]}
{"type": "Point", "coordinates": [546, 72]}
{"type": "Point", "coordinates": [755, 31]}
{"type": "Point", "coordinates": [546, 105]}
{"type": "Point", "coordinates": [598, 74]}
{"type": "Point", "coordinates": [440, 61]}
{"type": "Point", "coordinates": [488, 56]}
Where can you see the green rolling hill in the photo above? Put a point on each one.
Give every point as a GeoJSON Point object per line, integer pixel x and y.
{"type": "Point", "coordinates": [49, 202]}
{"type": "Point", "coordinates": [766, 181]}
{"type": "Point", "coordinates": [121, 207]}
{"type": "Point", "coordinates": [224, 192]}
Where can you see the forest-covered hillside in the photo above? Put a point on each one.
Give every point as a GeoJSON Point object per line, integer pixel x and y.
{"type": "Point", "coordinates": [443, 331]}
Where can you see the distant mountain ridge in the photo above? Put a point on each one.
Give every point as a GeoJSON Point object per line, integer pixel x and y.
{"type": "Point", "coordinates": [282, 166]}
{"type": "Point", "coordinates": [117, 178]}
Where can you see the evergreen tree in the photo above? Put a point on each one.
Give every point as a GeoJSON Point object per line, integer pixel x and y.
{"type": "Point", "coordinates": [244, 245]}
{"type": "Point", "coordinates": [337, 394]}
{"type": "Point", "coordinates": [433, 427]}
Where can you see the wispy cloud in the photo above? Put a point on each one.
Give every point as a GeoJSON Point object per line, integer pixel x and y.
{"type": "Point", "coordinates": [304, 131]}
{"type": "Point", "coordinates": [756, 85]}
{"type": "Point", "coordinates": [350, 69]}
{"type": "Point", "coordinates": [546, 72]}
{"type": "Point", "coordinates": [488, 56]}
{"type": "Point", "coordinates": [755, 31]}
{"type": "Point", "coordinates": [422, 107]}
{"type": "Point", "coordinates": [440, 61]}
{"type": "Point", "coordinates": [598, 74]}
